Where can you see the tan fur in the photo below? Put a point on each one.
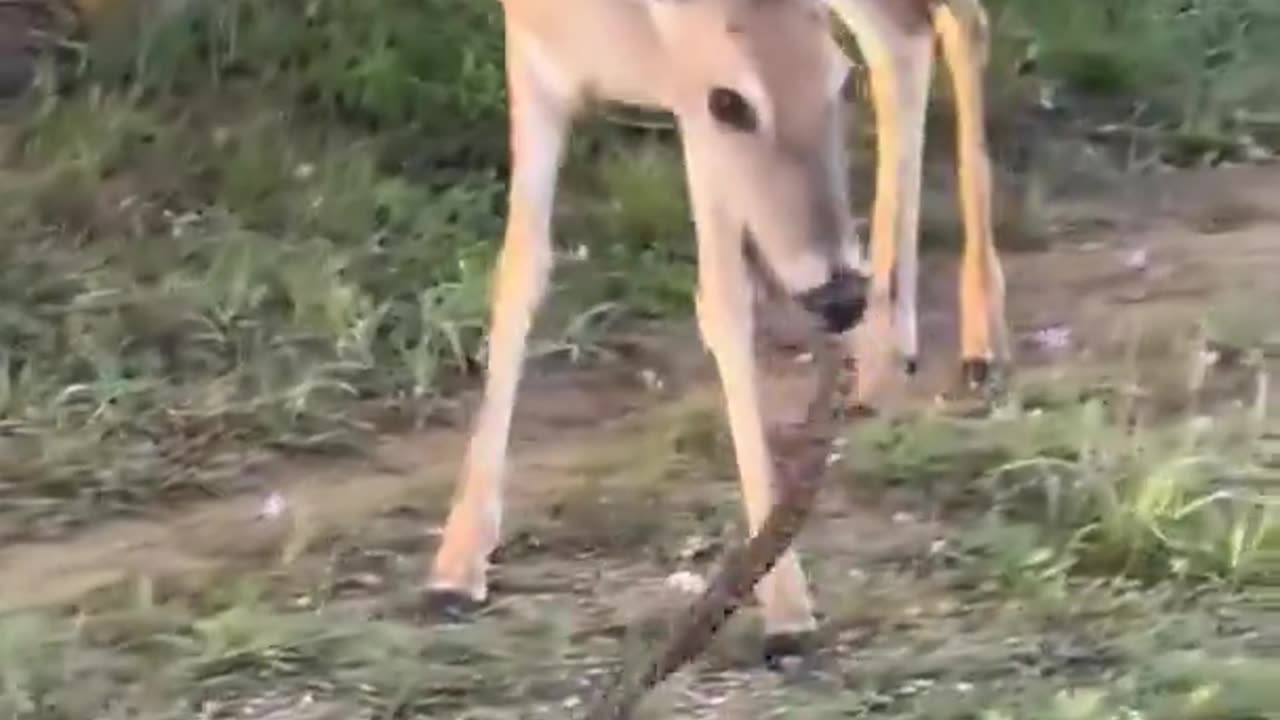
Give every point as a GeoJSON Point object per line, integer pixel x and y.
{"type": "Point", "coordinates": [962, 25]}
{"type": "Point", "coordinates": [897, 39]}
{"type": "Point", "coordinates": [908, 15]}
{"type": "Point", "coordinates": [784, 181]}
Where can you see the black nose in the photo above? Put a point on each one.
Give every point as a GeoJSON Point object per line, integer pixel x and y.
{"type": "Point", "coordinates": [839, 302]}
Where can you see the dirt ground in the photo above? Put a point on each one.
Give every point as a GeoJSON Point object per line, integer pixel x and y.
{"type": "Point", "coordinates": [1156, 250]}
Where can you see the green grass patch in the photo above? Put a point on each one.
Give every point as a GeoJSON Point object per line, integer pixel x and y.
{"type": "Point", "coordinates": [1081, 488]}
{"type": "Point", "coordinates": [924, 645]}
{"type": "Point", "coordinates": [1196, 65]}
{"type": "Point", "coordinates": [253, 226]}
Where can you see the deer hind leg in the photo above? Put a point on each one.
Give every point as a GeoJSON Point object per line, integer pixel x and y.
{"type": "Point", "coordinates": [539, 124]}
{"type": "Point", "coordinates": [898, 50]}
{"type": "Point", "coordinates": [726, 323]}
{"type": "Point", "coordinates": [961, 25]}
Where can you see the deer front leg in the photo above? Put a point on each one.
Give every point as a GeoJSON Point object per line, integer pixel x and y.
{"type": "Point", "coordinates": [727, 325]}
{"type": "Point", "coordinates": [539, 125]}
{"type": "Point", "coordinates": [961, 25]}
{"type": "Point", "coordinates": [899, 58]}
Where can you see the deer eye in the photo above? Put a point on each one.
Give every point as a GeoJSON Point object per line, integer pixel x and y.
{"type": "Point", "coordinates": [729, 108]}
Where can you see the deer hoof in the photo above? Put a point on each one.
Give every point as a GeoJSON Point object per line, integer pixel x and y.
{"type": "Point", "coordinates": [449, 605]}
{"type": "Point", "coordinates": [780, 646]}
{"type": "Point", "coordinates": [861, 411]}
{"type": "Point", "coordinates": [976, 373]}
{"type": "Point", "coordinates": [911, 366]}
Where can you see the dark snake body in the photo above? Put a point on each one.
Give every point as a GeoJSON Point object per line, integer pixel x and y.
{"type": "Point", "coordinates": [800, 456]}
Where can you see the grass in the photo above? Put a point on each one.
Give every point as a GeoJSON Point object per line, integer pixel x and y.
{"type": "Point", "coordinates": [194, 271]}
{"type": "Point", "coordinates": [1027, 608]}
{"type": "Point", "coordinates": [262, 316]}
{"type": "Point", "coordinates": [532, 657]}
{"type": "Point", "coordinates": [236, 228]}
{"type": "Point", "coordinates": [1193, 66]}
{"type": "Point", "coordinates": [1079, 479]}
{"type": "Point", "coordinates": [225, 231]}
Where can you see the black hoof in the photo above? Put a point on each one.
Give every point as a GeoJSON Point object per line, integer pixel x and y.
{"type": "Point", "coordinates": [780, 646]}
{"type": "Point", "coordinates": [861, 411]}
{"type": "Point", "coordinates": [976, 373]}
{"type": "Point", "coordinates": [449, 605]}
{"type": "Point", "coordinates": [911, 366]}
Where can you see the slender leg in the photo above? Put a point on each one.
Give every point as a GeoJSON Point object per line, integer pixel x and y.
{"type": "Point", "coordinates": [726, 322]}
{"type": "Point", "coordinates": [900, 59]}
{"type": "Point", "coordinates": [837, 161]}
{"type": "Point", "coordinates": [850, 246]}
{"type": "Point", "coordinates": [961, 25]}
{"type": "Point", "coordinates": [912, 96]}
{"type": "Point", "coordinates": [539, 126]}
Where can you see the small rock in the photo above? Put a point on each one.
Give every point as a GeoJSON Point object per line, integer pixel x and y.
{"type": "Point", "coordinates": [273, 507]}
{"type": "Point", "coordinates": [687, 583]}
{"type": "Point", "coordinates": [651, 379]}
{"type": "Point", "coordinates": [1138, 259]}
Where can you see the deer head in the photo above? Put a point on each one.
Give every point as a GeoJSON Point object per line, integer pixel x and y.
{"type": "Point", "coordinates": [755, 88]}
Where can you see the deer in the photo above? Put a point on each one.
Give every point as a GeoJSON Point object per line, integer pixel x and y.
{"type": "Point", "coordinates": [756, 88]}
{"type": "Point", "coordinates": [897, 41]}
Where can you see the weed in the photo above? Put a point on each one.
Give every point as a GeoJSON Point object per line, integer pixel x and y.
{"type": "Point", "coordinates": [213, 244]}
{"type": "Point", "coordinates": [1078, 488]}
{"type": "Point", "coordinates": [1190, 64]}
{"type": "Point", "coordinates": [142, 329]}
